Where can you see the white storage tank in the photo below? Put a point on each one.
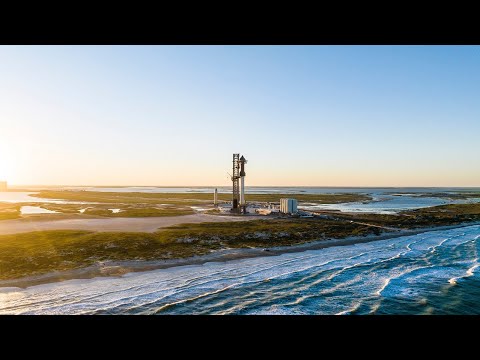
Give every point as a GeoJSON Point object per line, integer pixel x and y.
{"type": "Point", "coordinates": [288, 206]}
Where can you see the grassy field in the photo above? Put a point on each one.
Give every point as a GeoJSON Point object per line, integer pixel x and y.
{"type": "Point", "coordinates": [137, 204]}
{"type": "Point", "coordinates": [9, 211]}
{"type": "Point", "coordinates": [124, 198]}
{"type": "Point", "coordinates": [9, 215]}
{"type": "Point", "coordinates": [141, 212]}
{"type": "Point", "coordinates": [190, 198]}
{"type": "Point", "coordinates": [128, 210]}
{"type": "Point", "coordinates": [12, 211]}
{"type": "Point", "coordinates": [41, 252]}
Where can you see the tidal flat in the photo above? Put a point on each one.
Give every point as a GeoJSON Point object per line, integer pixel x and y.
{"type": "Point", "coordinates": [88, 204]}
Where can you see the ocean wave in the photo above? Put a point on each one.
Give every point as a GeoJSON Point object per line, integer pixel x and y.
{"type": "Point", "coordinates": [412, 274]}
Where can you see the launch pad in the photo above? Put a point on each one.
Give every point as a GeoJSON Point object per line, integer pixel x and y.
{"type": "Point", "coordinates": [239, 204]}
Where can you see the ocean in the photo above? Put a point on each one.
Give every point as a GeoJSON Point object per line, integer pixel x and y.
{"type": "Point", "coordinates": [257, 189]}
{"type": "Point", "coordinates": [435, 272]}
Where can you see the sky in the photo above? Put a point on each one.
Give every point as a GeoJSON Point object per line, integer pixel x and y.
{"type": "Point", "coordinates": [301, 115]}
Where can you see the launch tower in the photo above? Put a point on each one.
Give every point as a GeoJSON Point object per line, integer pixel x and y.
{"type": "Point", "coordinates": [235, 181]}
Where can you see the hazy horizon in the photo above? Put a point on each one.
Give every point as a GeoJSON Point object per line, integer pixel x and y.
{"type": "Point", "coordinates": [171, 116]}
{"type": "Point", "coordinates": [229, 185]}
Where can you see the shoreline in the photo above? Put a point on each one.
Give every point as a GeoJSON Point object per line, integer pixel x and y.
{"type": "Point", "coordinates": [120, 268]}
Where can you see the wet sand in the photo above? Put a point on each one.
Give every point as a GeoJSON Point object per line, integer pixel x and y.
{"type": "Point", "coordinates": [148, 224]}
{"type": "Point", "coordinates": [119, 268]}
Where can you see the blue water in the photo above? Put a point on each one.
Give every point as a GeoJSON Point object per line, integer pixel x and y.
{"type": "Point", "coordinates": [277, 189]}
{"type": "Point", "coordinates": [388, 204]}
{"type": "Point", "coordinates": [435, 272]}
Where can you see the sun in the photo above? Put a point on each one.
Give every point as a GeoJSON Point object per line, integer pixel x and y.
{"type": "Point", "coordinates": [6, 169]}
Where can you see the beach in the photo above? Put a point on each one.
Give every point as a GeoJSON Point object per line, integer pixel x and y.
{"type": "Point", "coordinates": [119, 268]}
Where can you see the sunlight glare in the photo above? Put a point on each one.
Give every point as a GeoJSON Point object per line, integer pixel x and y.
{"type": "Point", "coordinates": [6, 169]}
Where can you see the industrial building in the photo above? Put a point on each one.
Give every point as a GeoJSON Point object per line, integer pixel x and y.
{"type": "Point", "coordinates": [288, 206]}
{"type": "Point", "coordinates": [3, 186]}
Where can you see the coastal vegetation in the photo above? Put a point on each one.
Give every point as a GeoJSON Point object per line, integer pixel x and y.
{"type": "Point", "coordinates": [140, 204]}
{"type": "Point", "coordinates": [126, 210]}
{"type": "Point", "coordinates": [140, 212]}
{"type": "Point", "coordinates": [9, 211]}
{"type": "Point", "coordinates": [41, 252]}
{"type": "Point", "coordinates": [37, 253]}
{"type": "Point", "coordinates": [442, 215]}
{"type": "Point", "coordinates": [190, 198]}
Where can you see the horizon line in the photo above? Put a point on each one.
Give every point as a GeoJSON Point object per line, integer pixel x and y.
{"type": "Point", "coordinates": [247, 186]}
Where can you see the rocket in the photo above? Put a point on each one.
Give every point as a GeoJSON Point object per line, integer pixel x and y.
{"type": "Point", "coordinates": [242, 161]}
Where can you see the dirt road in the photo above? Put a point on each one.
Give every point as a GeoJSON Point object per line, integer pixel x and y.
{"type": "Point", "coordinates": [149, 224]}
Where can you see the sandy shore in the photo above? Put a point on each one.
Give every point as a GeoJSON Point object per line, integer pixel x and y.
{"type": "Point", "coordinates": [147, 224]}
{"type": "Point", "coordinates": [119, 268]}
